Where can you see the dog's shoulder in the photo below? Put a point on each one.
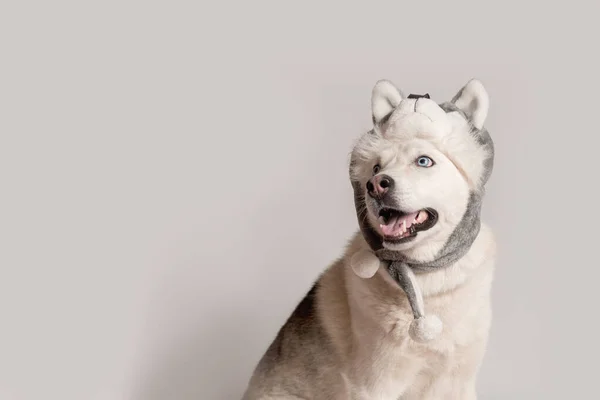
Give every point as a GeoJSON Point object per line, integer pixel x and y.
{"type": "Point", "coordinates": [301, 347]}
{"type": "Point", "coordinates": [301, 326]}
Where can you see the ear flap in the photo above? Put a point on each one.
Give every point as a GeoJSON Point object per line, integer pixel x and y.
{"type": "Point", "coordinates": [474, 101]}
{"type": "Point", "coordinates": [384, 98]}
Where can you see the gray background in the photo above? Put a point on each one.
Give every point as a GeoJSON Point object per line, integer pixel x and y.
{"type": "Point", "coordinates": [173, 178]}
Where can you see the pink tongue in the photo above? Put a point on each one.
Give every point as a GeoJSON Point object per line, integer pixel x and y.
{"type": "Point", "coordinates": [392, 228]}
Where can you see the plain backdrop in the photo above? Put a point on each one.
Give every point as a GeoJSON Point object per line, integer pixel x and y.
{"type": "Point", "coordinates": [173, 178]}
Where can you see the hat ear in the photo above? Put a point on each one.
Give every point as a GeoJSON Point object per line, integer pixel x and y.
{"type": "Point", "coordinates": [385, 97]}
{"type": "Point", "coordinates": [474, 101]}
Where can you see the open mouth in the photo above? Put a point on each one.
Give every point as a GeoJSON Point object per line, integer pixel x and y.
{"type": "Point", "coordinates": [398, 226]}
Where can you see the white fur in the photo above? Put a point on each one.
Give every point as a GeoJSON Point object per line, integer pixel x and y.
{"type": "Point", "coordinates": [386, 364]}
{"type": "Point", "coordinates": [424, 328]}
{"type": "Point", "coordinates": [441, 187]}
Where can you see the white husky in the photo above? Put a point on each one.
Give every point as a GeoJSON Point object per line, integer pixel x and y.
{"type": "Point", "coordinates": [418, 179]}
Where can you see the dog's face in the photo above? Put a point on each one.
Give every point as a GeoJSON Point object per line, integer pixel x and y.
{"type": "Point", "coordinates": [417, 168]}
{"type": "Point", "coordinates": [413, 192]}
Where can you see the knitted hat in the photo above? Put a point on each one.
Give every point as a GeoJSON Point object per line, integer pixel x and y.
{"type": "Point", "coordinates": [471, 150]}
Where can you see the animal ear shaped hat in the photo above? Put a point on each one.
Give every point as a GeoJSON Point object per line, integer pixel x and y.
{"type": "Point", "coordinates": [470, 149]}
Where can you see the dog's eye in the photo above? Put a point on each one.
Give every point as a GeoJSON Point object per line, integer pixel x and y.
{"type": "Point", "coordinates": [376, 169]}
{"type": "Point", "coordinates": [424, 162]}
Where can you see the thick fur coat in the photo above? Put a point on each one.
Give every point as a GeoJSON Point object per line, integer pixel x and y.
{"type": "Point", "coordinates": [348, 338]}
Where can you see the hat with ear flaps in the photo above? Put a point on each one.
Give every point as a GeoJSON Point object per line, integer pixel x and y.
{"type": "Point", "coordinates": [456, 129]}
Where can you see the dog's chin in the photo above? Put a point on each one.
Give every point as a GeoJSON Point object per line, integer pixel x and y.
{"type": "Point", "coordinates": [401, 230]}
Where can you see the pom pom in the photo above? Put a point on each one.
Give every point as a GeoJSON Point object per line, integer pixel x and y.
{"type": "Point", "coordinates": [365, 263]}
{"type": "Point", "coordinates": [425, 328]}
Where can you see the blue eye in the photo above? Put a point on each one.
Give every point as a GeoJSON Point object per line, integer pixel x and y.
{"type": "Point", "coordinates": [424, 162]}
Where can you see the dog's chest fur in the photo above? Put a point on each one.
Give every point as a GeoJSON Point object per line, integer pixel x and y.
{"type": "Point", "coordinates": [379, 360]}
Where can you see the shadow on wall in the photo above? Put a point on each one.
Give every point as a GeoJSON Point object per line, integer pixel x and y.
{"type": "Point", "coordinates": [205, 341]}
{"type": "Point", "coordinates": [205, 366]}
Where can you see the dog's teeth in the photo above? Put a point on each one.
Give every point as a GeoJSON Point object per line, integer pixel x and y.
{"type": "Point", "coordinates": [404, 225]}
{"type": "Point", "coordinates": [402, 230]}
{"type": "Point", "coordinates": [422, 216]}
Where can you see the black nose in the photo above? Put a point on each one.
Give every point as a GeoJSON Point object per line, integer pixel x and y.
{"type": "Point", "coordinates": [379, 185]}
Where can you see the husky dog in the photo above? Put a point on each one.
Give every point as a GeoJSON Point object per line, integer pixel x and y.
{"type": "Point", "coordinates": [418, 179]}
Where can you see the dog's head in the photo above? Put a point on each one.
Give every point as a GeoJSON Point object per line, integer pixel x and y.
{"type": "Point", "coordinates": [419, 174]}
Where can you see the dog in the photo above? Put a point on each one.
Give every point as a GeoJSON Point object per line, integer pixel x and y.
{"type": "Point", "coordinates": [418, 177]}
